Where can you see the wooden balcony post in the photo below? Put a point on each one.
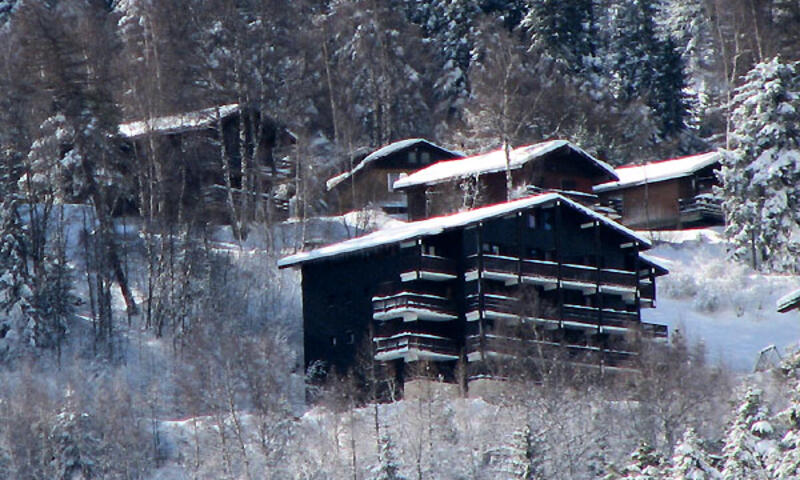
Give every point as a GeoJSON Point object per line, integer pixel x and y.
{"type": "Point", "coordinates": [560, 262]}
{"type": "Point", "coordinates": [481, 326]}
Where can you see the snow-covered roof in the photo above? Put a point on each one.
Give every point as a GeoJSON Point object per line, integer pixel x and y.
{"type": "Point", "coordinates": [634, 175]}
{"type": "Point", "coordinates": [491, 162]}
{"type": "Point", "coordinates": [437, 225]}
{"type": "Point", "coordinates": [383, 152]}
{"type": "Point", "coordinates": [789, 301]}
{"type": "Point", "coordinates": [177, 123]}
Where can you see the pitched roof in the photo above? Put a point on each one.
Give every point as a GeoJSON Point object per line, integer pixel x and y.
{"type": "Point", "coordinates": [177, 123]}
{"type": "Point", "coordinates": [635, 175]}
{"type": "Point", "coordinates": [383, 152]}
{"type": "Point", "coordinates": [437, 225]}
{"type": "Point", "coordinates": [491, 162]}
{"type": "Point", "coordinates": [788, 302]}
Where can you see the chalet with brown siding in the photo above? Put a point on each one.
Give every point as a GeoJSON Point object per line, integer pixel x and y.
{"type": "Point", "coordinates": [465, 183]}
{"type": "Point", "coordinates": [676, 193]}
{"type": "Point", "coordinates": [371, 181]}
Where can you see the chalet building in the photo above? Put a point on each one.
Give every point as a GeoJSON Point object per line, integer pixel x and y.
{"type": "Point", "coordinates": [538, 276]}
{"type": "Point", "coordinates": [465, 183]}
{"type": "Point", "coordinates": [371, 181]}
{"type": "Point", "coordinates": [189, 153]}
{"type": "Point", "coordinates": [677, 193]}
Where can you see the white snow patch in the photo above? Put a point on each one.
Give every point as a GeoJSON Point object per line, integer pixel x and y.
{"type": "Point", "coordinates": [723, 304]}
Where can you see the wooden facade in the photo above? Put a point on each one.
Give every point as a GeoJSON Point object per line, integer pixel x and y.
{"type": "Point", "coordinates": [370, 182]}
{"type": "Point", "coordinates": [185, 153]}
{"type": "Point", "coordinates": [482, 180]}
{"type": "Point", "coordinates": [676, 193]}
{"type": "Point", "coordinates": [537, 276]}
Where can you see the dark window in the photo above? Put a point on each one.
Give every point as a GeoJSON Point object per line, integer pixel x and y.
{"type": "Point", "coordinates": [412, 157]}
{"type": "Point", "coordinates": [532, 220]}
{"type": "Point", "coordinates": [568, 184]}
{"type": "Point", "coordinates": [425, 157]}
{"type": "Point", "coordinates": [491, 248]}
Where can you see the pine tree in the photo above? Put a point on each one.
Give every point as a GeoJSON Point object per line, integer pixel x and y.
{"type": "Point", "coordinates": [562, 30]}
{"type": "Point", "coordinates": [388, 467]}
{"type": "Point", "coordinates": [784, 462]}
{"type": "Point", "coordinates": [742, 458]}
{"type": "Point", "coordinates": [521, 459]}
{"type": "Point", "coordinates": [691, 462]}
{"type": "Point", "coordinates": [761, 176]}
{"type": "Point", "coordinates": [645, 464]}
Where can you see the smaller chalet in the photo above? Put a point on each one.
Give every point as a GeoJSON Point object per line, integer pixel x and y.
{"type": "Point", "coordinates": [189, 148]}
{"type": "Point", "coordinates": [371, 181]}
{"type": "Point", "coordinates": [676, 193]}
{"type": "Point", "coordinates": [541, 278]}
{"type": "Point", "coordinates": [453, 185]}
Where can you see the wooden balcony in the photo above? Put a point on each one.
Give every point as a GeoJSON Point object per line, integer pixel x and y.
{"type": "Point", "coordinates": [582, 353]}
{"type": "Point", "coordinates": [412, 346]}
{"type": "Point", "coordinates": [500, 307]}
{"type": "Point", "coordinates": [411, 306]}
{"type": "Point", "coordinates": [703, 208]}
{"type": "Point", "coordinates": [654, 330]}
{"type": "Point", "coordinates": [430, 267]}
{"type": "Point", "coordinates": [513, 270]}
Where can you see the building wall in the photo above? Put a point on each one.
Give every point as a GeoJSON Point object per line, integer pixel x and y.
{"type": "Point", "coordinates": [654, 205]}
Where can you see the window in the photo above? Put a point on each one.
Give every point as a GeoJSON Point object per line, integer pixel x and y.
{"type": "Point", "coordinates": [412, 157]}
{"type": "Point", "coordinates": [429, 250]}
{"type": "Point", "coordinates": [546, 219]}
{"type": "Point", "coordinates": [568, 184]}
{"type": "Point", "coordinates": [491, 248]}
{"type": "Point", "coordinates": [393, 177]}
{"type": "Point", "coordinates": [425, 157]}
{"type": "Point", "coordinates": [532, 221]}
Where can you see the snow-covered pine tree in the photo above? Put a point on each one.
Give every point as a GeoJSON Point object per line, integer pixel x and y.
{"type": "Point", "coordinates": [520, 457]}
{"type": "Point", "coordinates": [783, 463]}
{"type": "Point", "coordinates": [761, 176]}
{"type": "Point", "coordinates": [562, 31]}
{"type": "Point", "coordinates": [691, 462]}
{"type": "Point", "coordinates": [388, 467]}
{"type": "Point", "coordinates": [450, 25]}
{"type": "Point", "coordinates": [646, 464]}
{"type": "Point", "coordinates": [688, 25]}
{"type": "Point", "coordinates": [20, 318]}
{"type": "Point", "coordinates": [741, 453]}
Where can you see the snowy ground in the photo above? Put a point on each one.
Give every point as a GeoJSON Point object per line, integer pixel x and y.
{"type": "Point", "coordinates": [721, 303]}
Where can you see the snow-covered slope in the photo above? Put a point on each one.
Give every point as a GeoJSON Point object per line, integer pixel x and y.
{"type": "Point", "coordinates": [721, 303]}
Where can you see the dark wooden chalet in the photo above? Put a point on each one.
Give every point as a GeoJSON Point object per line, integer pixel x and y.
{"type": "Point", "coordinates": [189, 151]}
{"type": "Point", "coordinates": [454, 185]}
{"type": "Point", "coordinates": [542, 275]}
{"type": "Point", "coordinates": [371, 181]}
{"type": "Point", "coordinates": [676, 193]}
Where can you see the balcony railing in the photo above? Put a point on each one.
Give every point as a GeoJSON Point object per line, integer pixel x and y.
{"type": "Point", "coordinates": [701, 207]}
{"type": "Point", "coordinates": [412, 306]}
{"type": "Point", "coordinates": [580, 352]}
{"type": "Point", "coordinates": [409, 344]}
{"type": "Point", "coordinates": [580, 316]}
{"type": "Point", "coordinates": [511, 269]}
{"type": "Point", "coordinates": [654, 330]}
{"type": "Point", "coordinates": [430, 267]}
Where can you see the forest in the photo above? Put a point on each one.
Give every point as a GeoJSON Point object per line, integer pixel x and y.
{"type": "Point", "coordinates": [140, 340]}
